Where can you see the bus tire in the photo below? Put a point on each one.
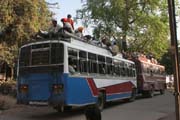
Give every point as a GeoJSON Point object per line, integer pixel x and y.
{"type": "Point", "coordinates": [162, 91]}
{"type": "Point", "coordinates": [101, 101]}
{"type": "Point", "coordinates": [133, 95]}
{"type": "Point", "coordinates": [151, 93]}
{"type": "Point", "coordinates": [63, 108]}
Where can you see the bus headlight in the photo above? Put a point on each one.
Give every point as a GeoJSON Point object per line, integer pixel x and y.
{"type": "Point", "coordinates": [23, 88]}
{"type": "Point", "coordinates": [57, 88]}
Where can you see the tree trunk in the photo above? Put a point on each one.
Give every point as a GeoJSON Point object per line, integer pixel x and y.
{"type": "Point", "coordinates": [12, 73]}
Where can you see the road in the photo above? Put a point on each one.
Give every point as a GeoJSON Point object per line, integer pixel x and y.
{"type": "Point", "coordinates": [154, 108]}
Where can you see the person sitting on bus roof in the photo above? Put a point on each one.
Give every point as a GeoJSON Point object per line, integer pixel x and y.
{"type": "Point", "coordinates": [109, 47]}
{"type": "Point", "coordinates": [69, 19]}
{"type": "Point", "coordinates": [54, 28]}
{"type": "Point", "coordinates": [94, 41]}
{"type": "Point", "coordinates": [115, 48]}
{"type": "Point", "coordinates": [103, 43]}
{"type": "Point", "coordinates": [52, 31]}
{"type": "Point", "coordinates": [67, 26]}
{"type": "Point", "coordinates": [79, 32]}
{"type": "Point", "coordinates": [88, 38]}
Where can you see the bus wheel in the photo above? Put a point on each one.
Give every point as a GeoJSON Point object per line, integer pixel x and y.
{"type": "Point", "coordinates": [151, 93]}
{"type": "Point", "coordinates": [101, 101]}
{"type": "Point", "coordinates": [162, 91]}
{"type": "Point", "coordinates": [63, 108]}
{"type": "Point", "coordinates": [133, 95]}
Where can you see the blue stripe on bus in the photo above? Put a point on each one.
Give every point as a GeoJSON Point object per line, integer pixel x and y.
{"type": "Point", "coordinates": [118, 96]}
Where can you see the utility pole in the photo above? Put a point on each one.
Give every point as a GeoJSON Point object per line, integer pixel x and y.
{"type": "Point", "coordinates": [174, 48]}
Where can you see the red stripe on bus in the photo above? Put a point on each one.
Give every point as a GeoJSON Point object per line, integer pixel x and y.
{"type": "Point", "coordinates": [92, 86]}
{"type": "Point", "coordinates": [122, 87]}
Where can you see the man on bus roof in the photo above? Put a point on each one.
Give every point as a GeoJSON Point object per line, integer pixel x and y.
{"type": "Point", "coordinates": [54, 28]}
{"type": "Point", "coordinates": [66, 25]}
{"type": "Point", "coordinates": [69, 19]}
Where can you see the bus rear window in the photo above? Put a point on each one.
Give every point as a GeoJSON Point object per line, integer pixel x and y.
{"type": "Point", "coordinates": [40, 57]}
{"type": "Point", "coordinates": [57, 53]}
{"type": "Point", "coordinates": [42, 54]}
{"type": "Point", "coordinates": [24, 59]}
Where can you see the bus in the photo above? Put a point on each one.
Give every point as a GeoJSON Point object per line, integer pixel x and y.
{"type": "Point", "coordinates": [45, 75]}
{"type": "Point", "coordinates": [150, 76]}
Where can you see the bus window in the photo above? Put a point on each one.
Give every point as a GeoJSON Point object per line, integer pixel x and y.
{"type": "Point", "coordinates": [117, 68]}
{"type": "Point", "coordinates": [109, 66]}
{"type": "Point", "coordinates": [101, 64]}
{"type": "Point", "coordinates": [72, 66]}
{"type": "Point", "coordinates": [131, 70]}
{"type": "Point", "coordinates": [57, 53]}
{"type": "Point", "coordinates": [73, 58]}
{"type": "Point", "coordinates": [40, 54]}
{"type": "Point", "coordinates": [25, 56]}
{"type": "Point", "coordinates": [122, 69]}
{"type": "Point", "coordinates": [134, 70]}
{"type": "Point", "coordinates": [83, 62]}
{"type": "Point", "coordinates": [92, 63]}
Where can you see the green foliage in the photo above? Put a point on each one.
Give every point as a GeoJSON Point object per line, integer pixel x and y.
{"type": "Point", "coordinates": [20, 20]}
{"type": "Point", "coordinates": [142, 23]}
{"type": "Point", "coordinates": [167, 61]}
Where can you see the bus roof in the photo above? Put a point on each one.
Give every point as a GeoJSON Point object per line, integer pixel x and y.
{"type": "Point", "coordinates": [80, 45]}
{"type": "Point", "coordinates": [150, 63]}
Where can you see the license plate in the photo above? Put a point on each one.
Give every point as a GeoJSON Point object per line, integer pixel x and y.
{"type": "Point", "coordinates": [38, 103]}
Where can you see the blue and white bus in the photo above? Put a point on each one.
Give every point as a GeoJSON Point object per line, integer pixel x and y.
{"type": "Point", "coordinates": [44, 75]}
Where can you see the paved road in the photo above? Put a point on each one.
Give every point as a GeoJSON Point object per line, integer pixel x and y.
{"type": "Point", "coordinates": [154, 108]}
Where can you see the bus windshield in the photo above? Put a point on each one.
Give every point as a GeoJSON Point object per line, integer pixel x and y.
{"type": "Point", "coordinates": [41, 55]}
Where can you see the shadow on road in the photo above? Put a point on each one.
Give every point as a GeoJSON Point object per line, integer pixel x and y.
{"type": "Point", "coordinates": [58, 115]}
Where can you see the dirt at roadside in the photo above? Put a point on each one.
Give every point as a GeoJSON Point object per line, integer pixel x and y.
{"type": "Point", "coordinates": [6, 102]}
{"type": "Point", "coordinates": [169, 117]}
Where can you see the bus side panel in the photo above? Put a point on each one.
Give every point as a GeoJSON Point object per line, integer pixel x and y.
{"type": "Point", "coordinates": [119, 91]}
{"type": "Point", "coordinates": [39, 87]}
{"type": "Point", "coordinates": [115, 89]}
{"type": "Point", "coordinates": [79, 92]}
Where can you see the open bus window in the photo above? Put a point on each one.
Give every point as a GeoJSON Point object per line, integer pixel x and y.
{"type": "Point", "coordinates": [73, 58]}
{"type": "Point", "coordinates": [109, 69]}
{"type": "Point", "coordinates": [72, 65]}
{"type": "Point", "coordinates": [83, 64]}
{"type": "Point", "coordinates": [101, 64]}
{"type": "Point", "coordinates": [24, 56]}
{"type": "Point", "coordinates": [92, 63]}
{"type": "Point", "coordinates": [123, 69]}
{"type": "Point", "coordinates": [102, 69]}
{"type": "Point", "coordinates": [72, 52]}
{"type": "Point", "coordinates": [57, 53]}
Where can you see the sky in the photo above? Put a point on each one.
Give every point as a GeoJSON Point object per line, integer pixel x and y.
{"type": "Point", "coordinates": [70, 7]}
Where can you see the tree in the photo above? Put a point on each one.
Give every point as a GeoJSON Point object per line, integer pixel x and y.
{"type": "Point", "coordinates": [143, 24]}
{"type": "Point", "coordinates": [167, 62]}
{"type": "Point", "coordinates": [20, 20]}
